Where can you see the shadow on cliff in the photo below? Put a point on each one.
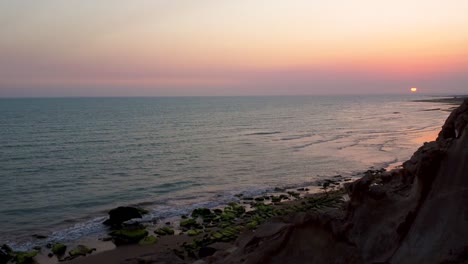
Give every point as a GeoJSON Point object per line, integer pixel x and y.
{"type": "Point", "coordinates": [416, 214]}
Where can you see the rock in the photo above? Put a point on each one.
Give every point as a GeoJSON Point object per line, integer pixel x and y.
{"type": "Point", "coordinates": [25, 257]}
{"type": "Point", "coordinates": [80, 250]}
{"type": "Point", "coordinates": [194, 232]}
{"type": "Point", "coordinates": [59, 249]}
{"type": "Point", "coordinates": [149, 240]}
{"type": "Point", "coordinates": [128, 235]}
{"type": "Point", "coordinates": [121, 214]}
{"type": "Point", "coordinates": [6, 253]}
{"type": "Point", "coordinates": [235, 208]}
{"type": "Point", "coordinates": [228, 216]}
{"type": "Point", "coordinates": [50, 255]}
{"type": "Point", "coordinates": [275, 199]}
{"type": "Point", "coordinates": [163, 231]}
{"type": "Point", "coordinates": [206, 252]}
{"type": "Point", "coordinates": [206, 214]}
{"type": "Point", "coordinates": [259, 199]}
{"type": "Point", "coordinates": [4, 257]}
{"type": "Point", "coordinates": [189, 223]}
{"type": "Point", "coordinates": [252, 225]}
{"type": "Point", "coordinates": [218, 211]}
{"type": "Point", "coordinates": [7, 249]}
{"type": "Point", "coordinates": [38, 236]}
{"type": "Point", "coordinates": [295, 194]}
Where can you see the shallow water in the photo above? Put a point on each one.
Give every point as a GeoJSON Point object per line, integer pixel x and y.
{"type": "Point", "coordinates": [65, 162]}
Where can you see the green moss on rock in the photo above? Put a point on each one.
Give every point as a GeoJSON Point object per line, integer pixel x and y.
{"type": "Point", "coordinates": [80, 250]}
{"type": "Point", "coordinates": [194, 232]}
{"type": "Point", "coordinates": [25, 257]}
{"type": "Point", "coordinates": [128, 236]}
{"type": "Point", "coordinates": [163, 231]}
{"type": "Point", "coordinates": [252, 225]}
{"type": "Point", "coordinates": [149, 240]}
{"type": "Point", "coordinates": [201, 212]}
{"type": "Point", "coordinates": [189, 223]}
{"type": "Point", "coordinates": [59, 249]}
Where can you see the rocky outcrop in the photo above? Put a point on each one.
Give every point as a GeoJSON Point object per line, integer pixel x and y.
{"type": "Point", "coordinates": [123, 213]}
{"type": "Point", "coordinates": [417, 214]}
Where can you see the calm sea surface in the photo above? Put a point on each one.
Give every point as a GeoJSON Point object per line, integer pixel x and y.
{"type": "Point", "coordinates": [65, 162]}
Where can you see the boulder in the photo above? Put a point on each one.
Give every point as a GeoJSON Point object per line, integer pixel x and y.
{"type": "Point", "coordinates": [80, 250]}
{"type": "Point", "coordinates": [5, 253]}
{"type": "Point", "coordinates": [128, 235]}
{"type": "Point", "coordinates": [25, 257]}
{"type": "Point", "coordinates": [149, 240]}
{"type": "Point", "coordinates": [163, 231]}
{"type": "Point", "coordinates": [189, 223]}
{"type": "Point", "coordinates": [121, 214]}
{"type": "Point", "coordinates": [59, 249]}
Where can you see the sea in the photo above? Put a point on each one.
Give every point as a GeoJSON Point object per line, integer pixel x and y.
{"type": "Point", "coordinates": [64, 162]}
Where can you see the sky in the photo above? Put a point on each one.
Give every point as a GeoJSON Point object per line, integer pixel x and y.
{"type": "Point", "coordinates": [226, 47]}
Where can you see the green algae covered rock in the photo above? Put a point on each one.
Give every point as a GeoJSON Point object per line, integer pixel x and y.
{"type": "Point", "coordinates": [275, 199]}
{"type": "Point", "coordinates": [235, 208]}
{"type": "Point", "coordinates": [252, 225]}
{"type": "Point", "coordinates": [163, 231]}
{"type": "Point", "coordinates": [142, 211]}
{"type": "Point", "coordinates": [227, 216]}
{"type": "Point", "coordinates": [201, 212]}
{"type": "Point", "coordinates": [194, 232]}
{"type": "Point", "coordinates": [149, 240]}
{"type": "Point", "coordinates": [129, 235]}
{"type": "Point", "coordinates": [25, 257]}
{"type": "Point", "coordinates": [80, 250]}
{"type": "Point", "coordinates": [189, 223]}
{"type": "Point", "coordinates": [59, 249]}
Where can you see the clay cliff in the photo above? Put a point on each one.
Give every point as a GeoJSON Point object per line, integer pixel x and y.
{"type": "Point", "coordinates": [416, 214]}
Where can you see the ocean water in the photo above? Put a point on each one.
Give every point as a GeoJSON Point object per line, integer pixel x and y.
{"type": "Point", "coordinates": [65, 162]}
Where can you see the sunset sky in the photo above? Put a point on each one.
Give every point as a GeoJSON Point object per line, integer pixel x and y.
{"type": "Point", "coordinates": [235, 47]}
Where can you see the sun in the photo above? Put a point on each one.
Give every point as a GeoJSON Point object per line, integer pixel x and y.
{"type": "Point", "coordinates": [414, 89]}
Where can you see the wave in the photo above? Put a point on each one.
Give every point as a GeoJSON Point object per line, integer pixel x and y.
{"type": "Point", "coordinates": [295, 137]}
{"type": "Point", "coordinates": [263, 133]}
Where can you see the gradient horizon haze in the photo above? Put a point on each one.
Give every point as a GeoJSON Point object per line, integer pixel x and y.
{"type": "Point", "coordinates": [55, 48]}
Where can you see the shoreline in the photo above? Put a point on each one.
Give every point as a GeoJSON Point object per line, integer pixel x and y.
{"type": "Point", "coordinates": [182, 247]}
{"type": "Point", "coordinates": [103, 244]}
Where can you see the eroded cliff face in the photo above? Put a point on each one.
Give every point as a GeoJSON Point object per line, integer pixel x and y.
{"type": "Point", "coordinates": [417, 214]}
